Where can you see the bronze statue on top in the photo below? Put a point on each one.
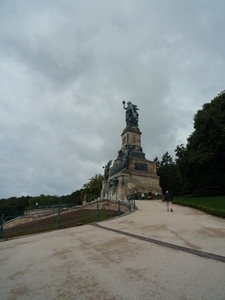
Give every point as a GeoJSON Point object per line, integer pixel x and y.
{"type": "Point", "coordinates": [131, 114]}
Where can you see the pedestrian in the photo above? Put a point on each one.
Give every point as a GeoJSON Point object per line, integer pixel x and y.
{"type": "Point", "coordinates": [142, 196]}
{"type": "Point", "coordinates": [149, 195]}
{"type": "Point", "coordinates": [136, 195]}
{"type": "Point", "coordinates": [169, 201]}
{"type": "Point", "coordinates": [36, 205]}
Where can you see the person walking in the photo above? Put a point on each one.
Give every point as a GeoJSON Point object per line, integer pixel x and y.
{"type": "Point", "coordinates": [169, 201]}
{"type": "Point", "coordinates": [149, 195]}
{"type": "Point", "coordinates": [143, 196]}
{"type": "Point", "coordinates": [136, 195]}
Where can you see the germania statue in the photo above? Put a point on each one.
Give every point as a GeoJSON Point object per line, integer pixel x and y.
{"type": "Point", "coordinates": [131, 114]}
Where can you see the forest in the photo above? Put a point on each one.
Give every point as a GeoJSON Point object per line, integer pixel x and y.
{"type": "Point", "coordinates": [17, 205]}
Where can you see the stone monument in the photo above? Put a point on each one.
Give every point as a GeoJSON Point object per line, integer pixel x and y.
{"type": "Point", "coordinates": [131, 173]}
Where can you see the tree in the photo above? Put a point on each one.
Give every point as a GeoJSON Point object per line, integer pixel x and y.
{"type": "Point", "coordinates": [75, 198]}
{"type": "Point", "coordinates": [92, 189]}
{"type": "Point", "coordinates": [14, 206]}
{"type": "Point", "coordinates": [169, 174]}
{"type": "Point", "coordinates": [202, 161]}
{"type": "Point", "coordinates": [184, 169]}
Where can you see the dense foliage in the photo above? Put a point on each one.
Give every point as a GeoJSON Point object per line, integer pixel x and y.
{"type": "Point", "coordinates": [16, 206]}
{"type": "Point", "coordinates": [199, 166]}
{"type": "Point", "coordinates": [48, 200]}
{"type": "Point", "coordinates": [92, 189]}
{"type": "Point", "coordinates": [169, 174]}
{"type": "Point", "coordinates": [202, 162]}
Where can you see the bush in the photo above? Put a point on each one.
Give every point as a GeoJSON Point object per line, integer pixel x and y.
{"type": "Point", "coordinates": [209, 192]}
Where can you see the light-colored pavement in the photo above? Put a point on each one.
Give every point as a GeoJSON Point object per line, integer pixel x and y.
{"type": "Point", "coordinates": [90, 262]}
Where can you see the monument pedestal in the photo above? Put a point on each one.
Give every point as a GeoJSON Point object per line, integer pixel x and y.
{"type": "Point", "coordinates": [131, 171]}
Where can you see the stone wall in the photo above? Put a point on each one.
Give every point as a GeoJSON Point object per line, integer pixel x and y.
{"type": "Point", "coordinates": [108, 205]}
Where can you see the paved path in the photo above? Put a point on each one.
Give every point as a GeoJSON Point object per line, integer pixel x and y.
{"type": "Point", "coordinates": [149, 254]}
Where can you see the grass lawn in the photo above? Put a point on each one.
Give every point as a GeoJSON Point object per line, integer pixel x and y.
{"type": "Point", "coordinates": [211, 205]}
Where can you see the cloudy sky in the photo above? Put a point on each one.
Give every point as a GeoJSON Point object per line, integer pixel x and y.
{"type": "Point", "coordinates": [67, 65]}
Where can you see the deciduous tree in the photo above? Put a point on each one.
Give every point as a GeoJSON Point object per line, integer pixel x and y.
{"type": "Point", "coordinates": [202, 161]}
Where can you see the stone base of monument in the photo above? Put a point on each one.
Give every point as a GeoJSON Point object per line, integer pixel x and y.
{"type": "Point", "coordinates": [131, 173]}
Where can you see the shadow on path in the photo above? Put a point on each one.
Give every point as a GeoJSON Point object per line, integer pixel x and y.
{"type": "Point", "coordinates": [165, 244]}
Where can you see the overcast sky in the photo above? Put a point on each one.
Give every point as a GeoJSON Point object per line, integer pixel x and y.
{"type": "Point", "coordinates": [67, 65]}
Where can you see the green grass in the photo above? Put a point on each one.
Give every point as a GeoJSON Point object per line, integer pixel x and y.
{"type": "Point", "coordinates": [69, 219]}
{"type": "Point", "coordinates": [212, 205]}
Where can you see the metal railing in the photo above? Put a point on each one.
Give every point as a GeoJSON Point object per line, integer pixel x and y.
{"type": "Point", "coordinates": [58, 217]}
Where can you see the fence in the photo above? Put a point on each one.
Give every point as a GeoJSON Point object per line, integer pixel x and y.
{"type": "Point", "coordinates": [58, 217]}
